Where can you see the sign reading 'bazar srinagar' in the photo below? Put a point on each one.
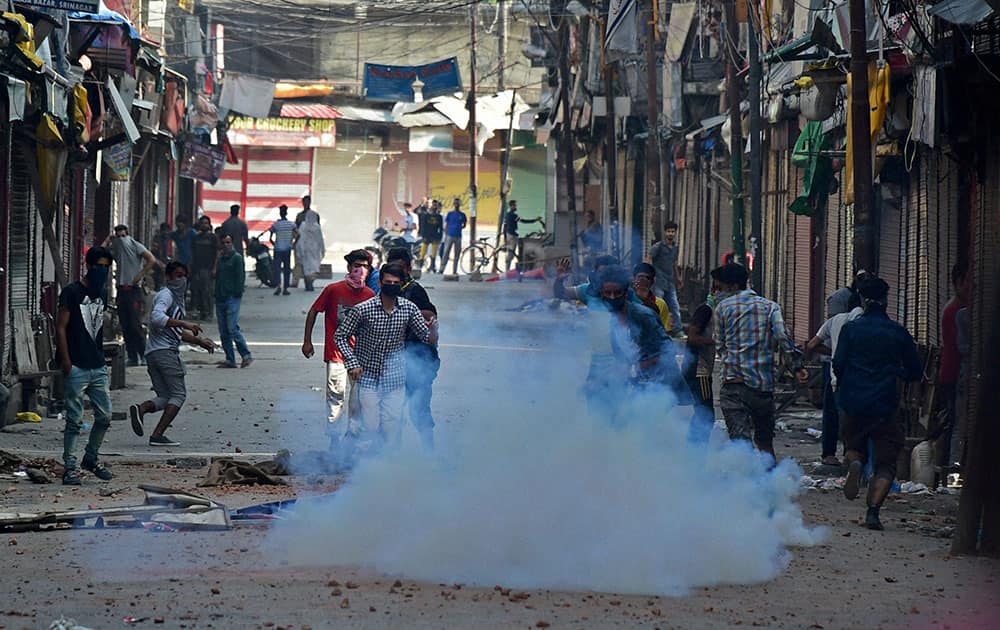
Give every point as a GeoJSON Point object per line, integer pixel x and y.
{"type": "Point", "coordinates": [85, 6]}
{"type": "Point", "coordinates": [282, 132]}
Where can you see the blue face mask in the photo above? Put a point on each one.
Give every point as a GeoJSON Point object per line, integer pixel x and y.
{"type": "Point", "coordinates": [97, 277]}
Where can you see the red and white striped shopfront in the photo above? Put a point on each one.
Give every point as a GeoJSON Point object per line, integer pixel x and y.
{"type": "Point", "coordinates": [276, 157]}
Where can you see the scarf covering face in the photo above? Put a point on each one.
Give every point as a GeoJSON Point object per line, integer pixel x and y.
{"type": "Point", "coordinates": [357, 277]}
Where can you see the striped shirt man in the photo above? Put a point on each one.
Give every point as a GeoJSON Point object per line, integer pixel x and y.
{"type": "Point", "coordinates": [284, 233]}
{"type": "Point", "coordinates": [748, 330]}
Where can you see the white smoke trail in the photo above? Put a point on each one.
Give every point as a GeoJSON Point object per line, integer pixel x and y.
{"type": "Point", "coordinates": [534, 496]}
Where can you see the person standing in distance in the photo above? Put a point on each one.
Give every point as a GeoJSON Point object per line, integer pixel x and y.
{"type": "Point", "coordinates": [237, 228]}
{"type": "Point", "coordinates": [283, 235]}
{"type": "Point", "coordinates": [454, 223]}
{"type": "Point", "coordinates": [80, 343]}
{"type": "Point", "coordinates": [663, 256]}
{"type": "Point", "coordinates": [230, 282]}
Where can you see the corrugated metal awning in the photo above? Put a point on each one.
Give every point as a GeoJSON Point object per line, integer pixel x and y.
{"type": "Point", "coordinates": [316, 111]}
{"type": "Point", "coordinates": [368, 114]}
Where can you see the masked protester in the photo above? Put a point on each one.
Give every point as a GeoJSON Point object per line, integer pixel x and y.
{"type": "Point", "coordinates": [80, 341]}
{"type": "Point", "coordinates": [873, 353]}
{"type": "Point", "coordinates": [334, 302]}
{"type": "Point", "coordinates": [644, 278]}
{"type": "Point", "coordinates": [133, 261]}
{"type": "Point", "coordinates": [376, 363]}
{"type": "Point", "coordinates": [167, 329]}
{"type": "Point", "coordinates": [422, 361]}
{"type": "Point", "coordinates": [639, 342]}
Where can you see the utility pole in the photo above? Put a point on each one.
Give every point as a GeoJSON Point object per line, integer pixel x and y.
{"type": "Point", "coordinates": [566, 135]}
{"type": "Point", "coordinates": [653, 206]}
{"type": "Point", "coordinates": [473, 130]}
{"type": "Point", "coordinates": [864, 220]}
{"type": "Point", "coordinates": [610, 133]}
{"type": "Point", "coordinates": [756, 168]}
{"type": "Point", "coordinates": [502, 13]}
{"type": "Point", "coordinates": [736, 131]}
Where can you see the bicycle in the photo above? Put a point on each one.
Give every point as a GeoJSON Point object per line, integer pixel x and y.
{"type": "Point", "coordinates": [482, 255]}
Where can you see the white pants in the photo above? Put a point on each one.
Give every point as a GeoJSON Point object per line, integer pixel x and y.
{"type": "Point", "coordinates": [381, 413]}
{"type": "Point", "coordinates": [339, 394]}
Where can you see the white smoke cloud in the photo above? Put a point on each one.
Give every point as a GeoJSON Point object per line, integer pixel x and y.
{"type": "Point", "coordinates": [533, 493]}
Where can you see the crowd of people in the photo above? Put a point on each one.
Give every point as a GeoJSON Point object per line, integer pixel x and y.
{"type": "Point", "coordinates": [380, 345]}
{"type": "Point", "coordinates": [746, 333]}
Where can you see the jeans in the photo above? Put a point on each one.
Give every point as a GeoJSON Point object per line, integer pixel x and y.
{"type": "Point", "coordinates": [670, 297]}
{"type": "Point", "coordinates": [130, 304]}
{"type": "Point", "coordinates": [422, 364]}
{"type": "Point", "coordinates": [201, 292]}
{"type": "Point", "coordinates": [749, 414]}
{"type": "Point", "coordinates": [282, 268]}
{"type": "Point", "coordinates": [227, 312]}
{"type": "Point", "coordinates": [451, 242]}
{"type": "Point", "coordinates": [93, 383]}
{"type": "Point", "coordinates": [831, 415]}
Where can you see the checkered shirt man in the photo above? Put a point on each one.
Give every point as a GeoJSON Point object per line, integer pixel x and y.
{"type": "Point", "coordinates": [748, 330]}
{"type": "Point", "coordinates": [380, 340]}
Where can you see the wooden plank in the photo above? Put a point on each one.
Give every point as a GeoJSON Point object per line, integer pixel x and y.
{"type": "Point", "coordinates": [24, 343]}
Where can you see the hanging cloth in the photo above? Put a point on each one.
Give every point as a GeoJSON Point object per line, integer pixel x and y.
{"type": "Point", "coordinates": [807, 154]}
{"type": "Point", "coordinates": [878, 97]}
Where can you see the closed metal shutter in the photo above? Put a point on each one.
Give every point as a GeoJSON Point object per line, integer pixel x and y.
{"type": "Point", "coordinates": [346, 194]}
{"type": "Point", "coordinates": [23, 264]}
{"type": "Point", "coordinates": [890, 252]}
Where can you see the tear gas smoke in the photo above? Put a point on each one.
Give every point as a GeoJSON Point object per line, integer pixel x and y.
{"type": "Point", "coordinates": [532, 492]}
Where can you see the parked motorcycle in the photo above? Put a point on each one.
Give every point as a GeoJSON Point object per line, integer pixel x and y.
{"type": "Point", "coordinates": [262, 253]}
{"type": "Point", "coordinates": [385, 240]}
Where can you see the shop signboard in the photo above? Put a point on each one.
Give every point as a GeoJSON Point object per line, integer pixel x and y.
{"type": "Point", "coordinates": [283, 132]}
{"type": "Point", "coordinates": [118, 159]}
{"type": "Point", "coordinates": [395, 83]}
{"type": "Point", "coordinates": [203, 163]}
{"type": "Point", "coordinates": [84, 6]}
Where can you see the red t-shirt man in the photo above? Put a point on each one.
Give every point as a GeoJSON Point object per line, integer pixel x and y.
{"type": "Point", "coordinates": [334, 302]}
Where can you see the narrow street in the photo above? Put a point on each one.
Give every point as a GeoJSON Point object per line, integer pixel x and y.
{"type": "Point", "coordinates": [493, 355]}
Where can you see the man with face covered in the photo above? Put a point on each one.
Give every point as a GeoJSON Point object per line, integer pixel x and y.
{"type": "Point", "coordinates": [377, 361]}
{"type": "Point", "coordinates": [334, 302]}
{"type": "Point", "coordinates": [80, 341]}
{"type": "Point", "coordinates": [167, 329]}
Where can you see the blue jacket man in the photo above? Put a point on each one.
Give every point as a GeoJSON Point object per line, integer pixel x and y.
{"type": "Point", "coordinates": [873, 354]}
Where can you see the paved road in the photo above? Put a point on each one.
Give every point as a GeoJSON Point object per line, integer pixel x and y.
{"type": "Point", "coordinates": [498, 365]}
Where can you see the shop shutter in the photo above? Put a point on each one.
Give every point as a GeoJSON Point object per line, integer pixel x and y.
{"type": "Point", "coordinates": [890, 251]}
{"type": "Point", "coordinates": [346, 194]}
{"type": "Point", "coordinates": [22, 280]}
{"type": "Point", "coordinates": [265, 179]}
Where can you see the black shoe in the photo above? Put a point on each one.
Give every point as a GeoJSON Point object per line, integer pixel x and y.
{"type": "Point", "coordinates": [285, 292]}
{"type": "Point", "coordinates": [136, 416]}
{"type": "Point", "coordinates": [277, 291]}
{"type": "Point", "coordinates": [132, 363]}
{"type": "Point", "coordinates": [71, 478]}
{"type": "Point", "coordinates": [97, 469]}
{"type": "Point", "coordinates": [162, 440]}
{"type": "Point", "coordinates": [853, 480]}
{"type": "Point", "coordinates": [872, 521]}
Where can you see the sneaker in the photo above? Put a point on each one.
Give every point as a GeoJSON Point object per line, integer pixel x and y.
{"type": "Point", "coordinates": [277, 291]}
{"type": "Point", "coordinates": [285, 292]}
{"type": "Point", "coordinates": [227, 364]}
{"type": "Point", "coordinates": [872, 520]}
{"type": "Point", "coordinates": [247, 362]}
{"type": "Point", "coordinates": [142, 361]}
{"type": "Point", "coordinates": [97, 469]}
{"type": "Point", "coordinates": [71, 478]}
{"type": "Point", "coordinates": [853, 480]}
{"type": "Point", "coordinates": [135, 414]}
{"type": "Point", "coordinates": [162, 440]}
